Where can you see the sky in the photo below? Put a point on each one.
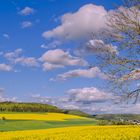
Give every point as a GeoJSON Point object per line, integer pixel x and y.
{"type": "Point", "coordinates": [42, 54]}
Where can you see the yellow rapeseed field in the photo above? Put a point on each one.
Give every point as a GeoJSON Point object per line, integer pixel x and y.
{"type": "Point", "coordinates": [76, 133]}
{"type": "Point", "coordinates": [43, 116]}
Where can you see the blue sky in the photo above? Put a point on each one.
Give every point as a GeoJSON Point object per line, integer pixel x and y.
{"type": "Point", "coordinates": [38, 61]}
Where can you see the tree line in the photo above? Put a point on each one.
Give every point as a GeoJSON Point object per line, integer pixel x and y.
{"type": "Point", "coordinates": [28, 107]}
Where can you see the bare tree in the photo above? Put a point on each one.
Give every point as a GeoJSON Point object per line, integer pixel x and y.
{"type": "Point", "coordinates": [124, 32]}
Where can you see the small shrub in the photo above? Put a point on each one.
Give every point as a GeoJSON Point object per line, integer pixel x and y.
{"type": "Point", "coordinates": [3, 118]}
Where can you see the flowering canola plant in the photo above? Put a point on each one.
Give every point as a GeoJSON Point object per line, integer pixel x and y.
{"type": "Point", "coordinates": [76, 133]}
{"type": "Point", "coordinates": [42, 116]}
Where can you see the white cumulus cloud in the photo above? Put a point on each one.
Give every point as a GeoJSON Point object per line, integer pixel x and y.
{"type": "Point", "coordinates": [27, 11]}
{"type": "Point", "coordinates": [89, 18]}
{"type": "Point", "coordinates": [96, 46]}
{"type": "Point", "coordinates": [27, 61]}
{"type": "Point", "coordinates": [15, 57]}
{"type": "Point", "coordinates": [12, 55]}
{"type": "Point", "coordinates": [90, 94]}
{"type": "Point", "coordinates": [5, 67]}
{"type": "Point", "coordinates": [86, 73]}
{"type": "Point", "coordinates": [26, 24]}
{"type": "Point", "coordinates": [49, 66]}
{"type": "Point", "coordinates": [58, 58]}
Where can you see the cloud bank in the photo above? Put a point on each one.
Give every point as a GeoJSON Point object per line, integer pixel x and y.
{"type": "Point", "coordinates": [91, 100]}
{"type": "Point", "coordinates": [3, 98]}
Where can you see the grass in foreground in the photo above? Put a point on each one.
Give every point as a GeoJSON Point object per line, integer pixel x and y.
{"type": "Point", "coordinates": [77, 133]}
{"type": "Point", "coordinates": [31, 121]}
{"type": "Point", "coordinates": [14, 125]}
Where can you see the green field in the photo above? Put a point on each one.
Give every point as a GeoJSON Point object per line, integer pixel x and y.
{"type": "Point", "coordinates": [14, 125]}
{"type": "Point", "coordinates": [31, 125]}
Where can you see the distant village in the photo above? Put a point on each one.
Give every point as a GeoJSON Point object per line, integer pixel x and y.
{"type": "Point", "coordinates": [134, 122]}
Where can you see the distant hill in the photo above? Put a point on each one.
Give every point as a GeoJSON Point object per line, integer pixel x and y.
{"type": "Point", "coordinates": [36, 107]}
{"type": "Point", "coordinates": [78, 112]}
{"type": "Point", "coordinates": [113, 117]}
{"type": "Point", "coordinates": [39, 107]}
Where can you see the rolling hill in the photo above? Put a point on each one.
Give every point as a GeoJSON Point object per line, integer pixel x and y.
{"type": "Point", "coordinates": [37, 107]}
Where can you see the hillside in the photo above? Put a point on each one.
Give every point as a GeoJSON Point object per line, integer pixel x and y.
{"type": "Point", "coordinates": [28, 107]}
{"type": "Point", "coordinates": [111, 117]}
{"type": "Point", "coordinates": [37, 107]}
